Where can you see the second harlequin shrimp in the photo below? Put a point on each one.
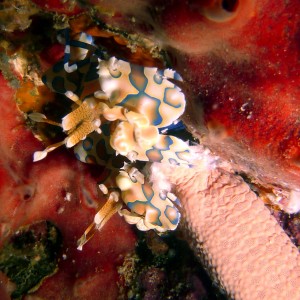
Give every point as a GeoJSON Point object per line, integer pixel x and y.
{"type": "Point", "coordinates": [120, 111]}
{"type": "Point", "coordinates": [144, 206]}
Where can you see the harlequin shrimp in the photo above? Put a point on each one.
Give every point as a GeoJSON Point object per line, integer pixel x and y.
{"type": "Point", "coordinates": [121, 110]}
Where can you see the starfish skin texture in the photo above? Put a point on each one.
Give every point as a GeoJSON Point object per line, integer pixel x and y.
{"type": "Point", "coordinates": [235, 234]}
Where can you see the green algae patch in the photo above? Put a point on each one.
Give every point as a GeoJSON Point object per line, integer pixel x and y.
{"type": "Point", "coordinates": [30, 256]}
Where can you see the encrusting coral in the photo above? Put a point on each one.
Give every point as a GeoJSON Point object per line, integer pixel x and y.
{"type": "Point", "coordinates": [224, 72]}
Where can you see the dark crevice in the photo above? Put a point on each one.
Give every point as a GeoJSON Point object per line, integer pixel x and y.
{"type": "Point", "coordinates": [230, 5]}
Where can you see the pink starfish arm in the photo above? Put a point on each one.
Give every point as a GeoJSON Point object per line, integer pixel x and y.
{"type": "Point", "coordinates": [234, 233]}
